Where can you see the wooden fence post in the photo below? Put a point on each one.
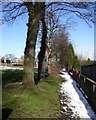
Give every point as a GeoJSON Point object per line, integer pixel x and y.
{"type": "Point", "coordinates": [94, 97]}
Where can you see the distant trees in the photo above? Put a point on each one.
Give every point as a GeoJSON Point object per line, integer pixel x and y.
{"type": "Point", "coordinates": [63, 53]}
{"type": "Point", "coordinates": [8, 59]}
{"type": "Point", "coordinates": [20, 61]}
{"type": "Point", "coordinates": [2, 60]}
{"type": "Point", "coordinates": [73, 60]}
{"type": "Point", "coordinates": [76, 62]}
{"type": "Point", "coordinates": [60, 47]}
{"type": "Point", "coordinates": [8, 62]}
{"type": "Point", "coordinates": [89, 61]}
{"type": "Point", "coordinates": [71, 56]}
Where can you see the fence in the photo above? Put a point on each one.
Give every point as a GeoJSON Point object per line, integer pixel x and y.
{"type": "Point", "coordinates": [89, 71]}
{"type": "Point", "coordinates": [86, 82]}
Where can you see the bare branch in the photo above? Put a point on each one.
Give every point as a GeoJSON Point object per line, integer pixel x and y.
{"type": "Point", "coordinates": [12, 10]}
{"type": "Point", "coordinates": [83, 10]}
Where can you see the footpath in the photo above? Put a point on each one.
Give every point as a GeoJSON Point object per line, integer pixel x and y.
{"type": "Point", "coordinates": [73, 104]}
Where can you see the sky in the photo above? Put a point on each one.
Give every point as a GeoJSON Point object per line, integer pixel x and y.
{"type": "Point", "coordinates": [83, 40]}
{"type": "Point", "coordinates": [13, 38]}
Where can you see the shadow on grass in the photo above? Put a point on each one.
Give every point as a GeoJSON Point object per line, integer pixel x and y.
{"type": "Point", "coordinates": [5, 113]}
{"type": "Point", "coordinates": [11, 76]}
{"type": "Point", "coordinates": [42, 77]}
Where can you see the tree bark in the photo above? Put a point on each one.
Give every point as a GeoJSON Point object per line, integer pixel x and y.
{"type": "Point", "coordinates": [50, 50]}
{"type": "Point", "coordinates": [29, 54]}
{"type": "Point", "coordinates": [41, 54]}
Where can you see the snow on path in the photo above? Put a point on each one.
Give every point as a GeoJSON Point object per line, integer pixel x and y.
{"type": "Point", "coordinates": [75, 100]}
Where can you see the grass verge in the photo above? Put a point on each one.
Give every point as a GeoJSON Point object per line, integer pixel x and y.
{"type": "Point", "coordinates": [40, 102]}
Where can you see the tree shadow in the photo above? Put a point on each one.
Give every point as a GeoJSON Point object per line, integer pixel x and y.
{"type": "Point", "coordinates": [5, 113]}
{"type": "Point", "coordinates": [36, 80]}
{"type": "Point", "coordinates": [11, 76]}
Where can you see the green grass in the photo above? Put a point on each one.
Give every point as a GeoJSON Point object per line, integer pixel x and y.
{"type": "Point", "coordinates": [10, 76]}
{"type": "Point", "coordinates": [40, 102]}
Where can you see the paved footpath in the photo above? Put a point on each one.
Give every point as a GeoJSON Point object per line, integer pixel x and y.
{"type": "Point", "coordinates": [73, 103]}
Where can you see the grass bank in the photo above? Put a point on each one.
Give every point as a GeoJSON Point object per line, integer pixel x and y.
{"type": "Point", "coordinates": [40, 102]}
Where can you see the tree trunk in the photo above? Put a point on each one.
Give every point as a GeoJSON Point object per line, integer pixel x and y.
{"type": "Point", "coordinates": [29, 54]}
{"type": "Point", "coordinates": [50, 51]}
{"type": "Point", "coordinates": [49, 61]}
{"type": "Point", "coordinates": [41, 54]}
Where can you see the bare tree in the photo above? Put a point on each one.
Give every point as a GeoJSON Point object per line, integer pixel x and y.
{"type": "Point", "coordinates": [66, 9]}
{"type": "Point", "coordinates": [60, 47]}
{"type": "Point", "coordinates": [41, 54]}
{"type": "Point", "coordinates": [53, 25]}
{"type": "Point", "coordinates": [34, 17]}
{"type": "Point", "coordinates": [12, 10]}
{"type": "Point", "coordinates": [35, 12]}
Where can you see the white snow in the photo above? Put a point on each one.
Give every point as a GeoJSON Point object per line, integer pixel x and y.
{"type": "Point", "coordinates": [9, 68]}
{"type": "Point", "coordinates": [75, 99]}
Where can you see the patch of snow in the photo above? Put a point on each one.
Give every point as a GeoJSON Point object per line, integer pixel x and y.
{"type": "Point", "coordinates": [76, 101]}
{"type": "Point", "coordinates": [9, 68]}
{"type": "Point", "coordinates": [64, 69]}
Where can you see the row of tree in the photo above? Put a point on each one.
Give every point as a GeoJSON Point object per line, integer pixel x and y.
{"type": "Point", "coordinates": [41, 14]}
{"type": "Point", "coordinates": [63, 52]}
